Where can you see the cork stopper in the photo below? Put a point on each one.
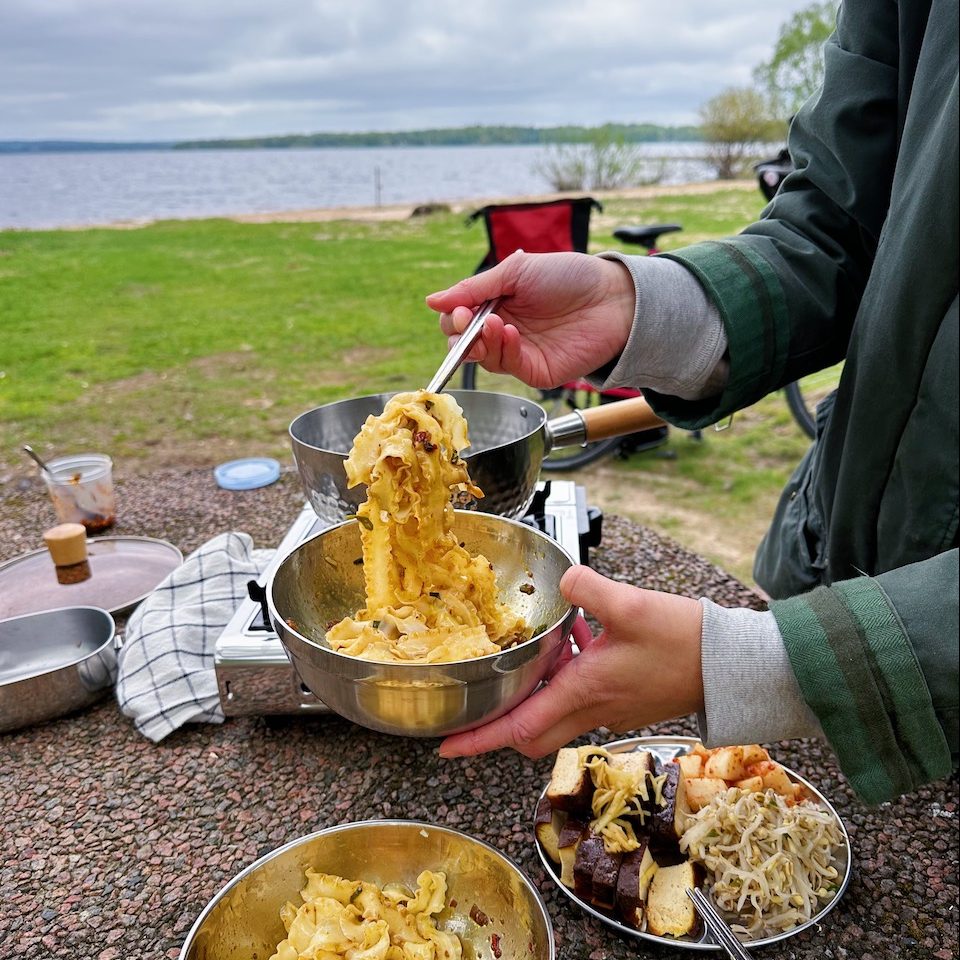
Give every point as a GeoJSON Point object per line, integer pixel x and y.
{"type": "Point", "coordinates": [67, 543]}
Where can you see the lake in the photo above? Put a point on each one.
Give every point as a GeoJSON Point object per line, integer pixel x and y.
{"type": "Point", "coordinates": [40, 190]}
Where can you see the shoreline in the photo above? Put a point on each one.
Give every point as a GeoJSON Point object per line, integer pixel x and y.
{"type": "Point", "coordinates": [394, 212]}
{"type": "Point", "coordinates": [404, 211]}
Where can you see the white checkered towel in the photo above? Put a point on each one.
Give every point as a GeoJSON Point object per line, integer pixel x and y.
{"type": "Point", "coordinates": [165, 670]}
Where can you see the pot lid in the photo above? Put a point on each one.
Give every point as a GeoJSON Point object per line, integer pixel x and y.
{"type": "Point", "coordinates": [124, 571]}
{"type": "Point", "coordinates": [247, 474]}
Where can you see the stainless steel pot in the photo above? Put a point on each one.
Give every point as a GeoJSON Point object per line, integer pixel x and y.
{"type": "Point", "coordinates": [322, 582]}
{"type": "Point", "coordinates": [53, 663]}
{"type": "Point", "coordinates": [509, 437]}
{"type": "Point", "coordinates": [243, 919]}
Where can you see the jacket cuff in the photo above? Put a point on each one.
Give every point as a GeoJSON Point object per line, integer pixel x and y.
{"type": "Point", "coordinates": [748, 294]}
{"type": "Point", "coordinates": [859, 673]}
{"type": "Point", "coordinates": [750, 692]}
{"type": "Point", "coordinates": [677, 341]}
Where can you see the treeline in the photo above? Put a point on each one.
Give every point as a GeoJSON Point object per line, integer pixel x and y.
{"type": "Point", "coordinates": [460, 136]}
{"type": "Point", "coordinates": [78, 146]}
{"type": "Point", "coordinates": [626, 133]}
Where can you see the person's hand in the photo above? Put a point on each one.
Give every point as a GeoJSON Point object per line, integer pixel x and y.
{"type": "Point", "coordinates": [644, 666]}
{"type": "Point", "coordinates": [562, 315]}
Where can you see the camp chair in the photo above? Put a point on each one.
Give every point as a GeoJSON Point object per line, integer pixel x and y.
{"type": "Point", "coordinates": [552, 226]}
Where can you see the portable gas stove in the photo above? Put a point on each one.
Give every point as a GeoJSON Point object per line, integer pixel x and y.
{"type": "Point", "coordinates": [254, 675]}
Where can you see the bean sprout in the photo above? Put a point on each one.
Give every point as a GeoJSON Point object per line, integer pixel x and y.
{"type": "Point", "coordinates": [769, 864]}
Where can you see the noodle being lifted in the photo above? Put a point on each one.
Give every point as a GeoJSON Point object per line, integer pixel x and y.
{"type": "Point", "coordinates": [428, 599]}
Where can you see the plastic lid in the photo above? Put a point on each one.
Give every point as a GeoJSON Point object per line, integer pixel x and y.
{"type": "Point", "coordinates": [247, 474]}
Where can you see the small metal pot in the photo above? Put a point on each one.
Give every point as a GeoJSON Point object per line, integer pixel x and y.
{"type": "Point", "coordinates": [509, 437]}
{"type": "Point", "coordinates": [321, 581]}
{"type": "Point", "coordinates": [243, 919]}
{"type": "Point", "coordinates": [54, 663]}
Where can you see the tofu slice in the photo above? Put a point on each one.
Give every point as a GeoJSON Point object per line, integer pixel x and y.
{"type": "Point", "coordinates": [547, 825]}
{"type": "Point", "coordinates": [637, 762]}
{"type": "Point", "coordinates": [568, 842]}
{"type": "Point", "coordinates": [570, 788]}
{"type": "Point", "coordinates": [670, 912]}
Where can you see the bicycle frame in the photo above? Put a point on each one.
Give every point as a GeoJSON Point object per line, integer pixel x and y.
{"type": "Point", "coordinates": [613, 393]}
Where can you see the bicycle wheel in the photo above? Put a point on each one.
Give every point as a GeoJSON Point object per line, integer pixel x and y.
{"type": "Point", "coordinates": [804, 395]}
{"type": "Point", "coordinates": [556, 402]}
{"type": "Point", "coordinates": [798, 407]}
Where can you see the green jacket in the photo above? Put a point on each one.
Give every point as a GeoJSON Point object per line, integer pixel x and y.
{"type": "Point", "coordinates": [857, 257]}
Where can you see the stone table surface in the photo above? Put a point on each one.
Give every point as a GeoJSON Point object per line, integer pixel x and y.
{"type": "Point", "coordinates": [112, 845]}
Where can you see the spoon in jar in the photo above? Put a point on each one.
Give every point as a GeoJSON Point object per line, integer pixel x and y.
{"type": "Point", "coordinates": [30, 452]}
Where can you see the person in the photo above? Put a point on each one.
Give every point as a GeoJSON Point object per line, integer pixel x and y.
{"type": "Point", "coordinates": [856, 257]}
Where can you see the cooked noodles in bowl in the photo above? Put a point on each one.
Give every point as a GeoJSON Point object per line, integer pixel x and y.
{"type": "Point", "coordinates": [428, 599]}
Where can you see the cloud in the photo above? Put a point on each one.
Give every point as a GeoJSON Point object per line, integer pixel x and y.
{"type": "Point", "coordinates": [137, 69]}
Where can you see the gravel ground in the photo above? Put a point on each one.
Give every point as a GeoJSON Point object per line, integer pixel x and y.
{"type": "Point", "coordinates": [112, 845]}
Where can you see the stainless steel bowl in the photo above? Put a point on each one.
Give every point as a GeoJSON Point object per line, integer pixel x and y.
{"type": "Point", "coordinates": [322, 582]}
{"type": "Point", "coordinates": [54, 663]}
{"type": "Point", "coordinates": [243, 919]}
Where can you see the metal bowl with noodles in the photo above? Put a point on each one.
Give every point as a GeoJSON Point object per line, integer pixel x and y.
{"type": "Point", "coordinates": [492, 907]}
{"type": "Point", "coordinates": [321, 582]}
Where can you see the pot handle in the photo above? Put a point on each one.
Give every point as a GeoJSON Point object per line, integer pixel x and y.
{"type": "Point", "coordinates": [619, 418]}
{"type": "Point", "coordinates": [615, 419]}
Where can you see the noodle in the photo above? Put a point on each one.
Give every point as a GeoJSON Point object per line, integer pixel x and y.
{"type": "Point", "coordinates": [343, 919]}
{"type": "Point", "coordinates": [427, 599]}
{"type": "Point", "coordinates": [619, 794]}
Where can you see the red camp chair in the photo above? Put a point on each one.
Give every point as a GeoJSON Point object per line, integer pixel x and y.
{"type": "Point", "coordinates": [553, 226]}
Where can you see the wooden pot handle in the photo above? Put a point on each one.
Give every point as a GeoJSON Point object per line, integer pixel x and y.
{"type": "Point", "coordinates": [619, 418]}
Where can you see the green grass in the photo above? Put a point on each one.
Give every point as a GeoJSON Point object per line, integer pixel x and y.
{"type": "Point", "coordinates": [94, 314]}
{"type": "Point", "coordinates": [186, 342]}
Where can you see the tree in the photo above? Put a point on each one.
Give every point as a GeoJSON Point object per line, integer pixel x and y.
{"type": "Point", "coordinates": [795, 70]}
{"type": "Point", "coordinates": [734, 123]}
{"type": "Point", "coordinates": [605, 161]}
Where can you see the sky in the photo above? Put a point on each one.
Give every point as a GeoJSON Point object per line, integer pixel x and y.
{"type": "Point", "coordinates": [183, 69]}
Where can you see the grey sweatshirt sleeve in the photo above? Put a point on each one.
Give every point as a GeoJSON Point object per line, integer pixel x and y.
{"type": "Point", "coordinates": [676, 346]}
{"type": "Point", "coordinates": [677, 342]}
{"type": "Point", "coordinates": [750, 692]}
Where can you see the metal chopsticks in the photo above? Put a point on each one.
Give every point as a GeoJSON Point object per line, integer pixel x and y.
{"type": "Point", "coordinates": [462, 347]}
{"type": "Point", "coordinates": [718, 926]}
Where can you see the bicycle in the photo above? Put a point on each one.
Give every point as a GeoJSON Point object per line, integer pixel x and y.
{"type": "Point", "coordinates": [558, 226]}
{"type": "Point", "coordinates": [803, 396]}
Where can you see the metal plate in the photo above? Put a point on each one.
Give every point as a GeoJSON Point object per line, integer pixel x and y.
{"type": "Point", "coordinates": [124, 571]}
{"type": "Point", "coordinates": [665, 749]}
